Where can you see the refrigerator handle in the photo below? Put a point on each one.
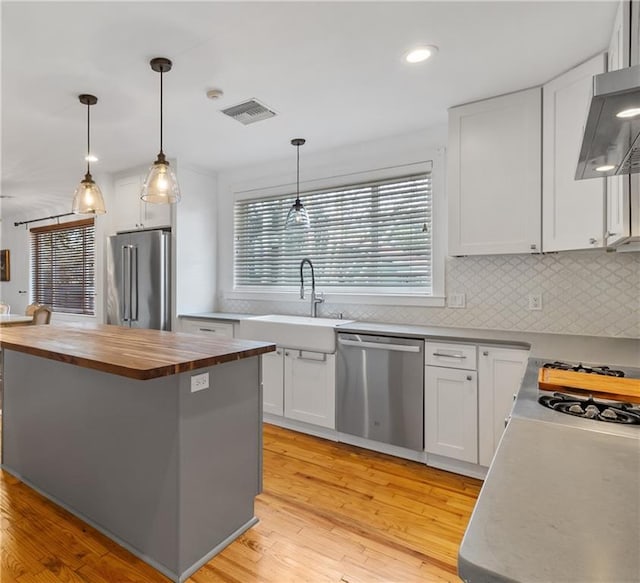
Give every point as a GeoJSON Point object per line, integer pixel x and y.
{"type": "Point", "coordinates": [123, 291]}
{"type": "Point", "coordinates": [134, 282]}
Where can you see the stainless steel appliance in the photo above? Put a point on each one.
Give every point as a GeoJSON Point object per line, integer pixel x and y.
{"type": "Point", "coordinates": [612, 130]}
{"type": "Point", "coordinates": [138, 291]}
{"type": "Point", "coordinates": [539, 404]}
{"type": "Point", "coordinates": [380, 389]}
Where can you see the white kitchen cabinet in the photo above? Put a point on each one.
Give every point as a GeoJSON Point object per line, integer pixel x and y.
{"type": "Point", "coordinates": [300, 385]}
{"type": "Point", "coordinates": [273, 382]}
{"type": "Point", "coordinates": [500, 372]}
{"type": "Point", "coordinates": [206, 326]}
{"type": "Point", "coordinates": [310, 387]}
{"type": "Point", "coordinates": [494, 175]}
{"type": "Point", "coordinates": [618, 227]}
{"type": "Point", "coordinates": [130, 212]}
{"type": "Point", "coordinates": [451, 413]}
{"type": "Point", "coordinates": [573, 211]}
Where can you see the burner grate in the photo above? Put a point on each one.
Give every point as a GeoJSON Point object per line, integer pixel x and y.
{"type": "Point", "coordinates": [599, 370]}
{"type": "Point", "coordinates": [623, 413]}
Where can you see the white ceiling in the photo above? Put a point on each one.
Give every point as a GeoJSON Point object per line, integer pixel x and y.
{"type": "Point", "coordinates": [333, 71]}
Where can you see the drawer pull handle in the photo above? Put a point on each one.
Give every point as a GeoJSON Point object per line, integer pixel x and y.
{"type": "Point", "coordinates": [461, 356]}
{"type": "Point", "coordinates": [469, 377]}
{"type": "Point", "coordinates": [207, 329]}
{"type": "Point", "coordinates": [485, 353]}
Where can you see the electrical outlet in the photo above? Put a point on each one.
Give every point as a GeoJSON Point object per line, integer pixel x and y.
{"type": "Point", "coordinates": [199, 382]}
{"type": "Point", "coordinates": [535, 301]}
{"type": "Point", "coordinates": [457, 300]}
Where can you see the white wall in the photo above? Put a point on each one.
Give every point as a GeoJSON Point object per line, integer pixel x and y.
{"type": "Point", "coordinates": [194, 235]}
{"type": "Point", "coordinates": [16, 292]}
{"type": "Point", "coordinates": [319, 169]}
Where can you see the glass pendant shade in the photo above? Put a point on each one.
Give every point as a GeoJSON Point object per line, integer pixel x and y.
{"type": "Point", "coordinates": [87, 199]}
{"type": "Point", "coordinates": [161, 184]}
{"type": "Point", "coordinates": [297, 217]}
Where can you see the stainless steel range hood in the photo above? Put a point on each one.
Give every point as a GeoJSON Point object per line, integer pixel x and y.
{"type": "Point", "coordinates": [610, 140]}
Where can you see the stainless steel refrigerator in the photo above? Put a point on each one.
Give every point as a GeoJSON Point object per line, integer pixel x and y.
{"type": "Point", "coordinates": [138, 289]}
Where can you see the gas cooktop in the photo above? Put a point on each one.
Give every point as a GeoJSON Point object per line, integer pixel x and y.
{"type": "Point", "coordinates": [578, 410]}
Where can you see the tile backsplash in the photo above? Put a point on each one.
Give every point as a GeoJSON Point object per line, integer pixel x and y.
{"type": "Point", "coordinates": [590, 293]}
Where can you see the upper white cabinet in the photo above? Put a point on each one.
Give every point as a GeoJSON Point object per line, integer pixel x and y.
{"type": "Point", "coordinates": [572, 210]}
{"type": "Point", "coordinates": [617, 199]}
{"type": "Point", "coordinates": [130, 212]}
{"type": "Point", "coordinates": [500, 372]}
{"type": "Point", "coordinates": [494, 178]}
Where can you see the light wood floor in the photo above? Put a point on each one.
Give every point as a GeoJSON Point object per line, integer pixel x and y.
{"type": "Point", "coordinates": [329, 513]}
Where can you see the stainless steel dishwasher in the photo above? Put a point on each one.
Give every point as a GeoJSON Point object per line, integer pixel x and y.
{"type": "Point", "coordinates": [380, 389]}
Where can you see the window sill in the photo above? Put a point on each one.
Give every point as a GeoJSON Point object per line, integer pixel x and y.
{"type": "Point", "coordinates": [340, 298]}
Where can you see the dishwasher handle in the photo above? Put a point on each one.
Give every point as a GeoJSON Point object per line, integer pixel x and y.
{"type": "Point", "coordinates": [380, 345]}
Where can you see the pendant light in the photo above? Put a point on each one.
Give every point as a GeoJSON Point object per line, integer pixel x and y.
{"type": "Point", "coordinates": [161, 184]}
{"type": "Point", "coordinates": [297, 217]}
{"type": "Point", "coordinates": [87, 199]}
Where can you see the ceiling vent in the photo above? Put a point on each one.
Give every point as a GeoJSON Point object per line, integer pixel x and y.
{"type": "Point", "coordinates": [249, 112]}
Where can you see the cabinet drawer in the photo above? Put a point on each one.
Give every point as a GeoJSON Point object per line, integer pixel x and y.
{"type": "Point", "coordinates": [212, 327]}
{"type": "Point", "coordinates": [451, 355]}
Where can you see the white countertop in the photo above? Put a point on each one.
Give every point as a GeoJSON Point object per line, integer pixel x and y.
{"type": "Point", "coordinates": [560, 503]}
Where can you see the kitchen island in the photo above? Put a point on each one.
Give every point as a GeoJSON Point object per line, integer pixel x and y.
{"type": "Point", "coordinates": [152, 437]}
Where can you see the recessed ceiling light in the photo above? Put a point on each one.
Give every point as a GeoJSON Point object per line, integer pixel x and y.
{"type": "Point", "coordinates": [605, 168]}
{"type": "Point", "coordinates": [421, 53]}
{"type": "Point", "coordinates": [90, 158]}
{"type": "Point", "coordinates": [629, 112]}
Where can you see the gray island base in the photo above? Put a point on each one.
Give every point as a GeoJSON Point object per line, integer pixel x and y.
{"type": "Point", "coordinates": [169, 474]}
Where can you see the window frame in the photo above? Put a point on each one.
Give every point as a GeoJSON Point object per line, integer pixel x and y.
{"type": "Point", "coordinates": [89, 309]}
{"type": "Point", "coordinates": [399, 296]}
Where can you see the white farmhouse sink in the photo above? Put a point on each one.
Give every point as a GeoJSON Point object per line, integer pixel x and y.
{"type": "Point", "coordinates": [301, 332]}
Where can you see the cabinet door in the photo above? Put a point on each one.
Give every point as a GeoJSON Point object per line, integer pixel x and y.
{"type": "Point", "coordinates": [451, 413]}
{"type": "Point", "coordinates": [273, 382]}
{"type": "Point", "coordinates": [155, 215]}
{"type": "Point", "coordinates": [500, 372]}
{"type": "Point", "coordinates": [618, 207]}
{"type": "Point", "coordinates": [126, 207]}
{"type": "Point", "coordinates": [310, 387]}
{"type": "Point", "coordinates": [494, 182]}
{"type": "Point", "coordinates": [130, 212]}
{"type": "Point", "coordinates": [572, 210]}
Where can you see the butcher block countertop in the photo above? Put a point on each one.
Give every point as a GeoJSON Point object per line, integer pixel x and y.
{"type": "Point", "coordinates": [133, 353]}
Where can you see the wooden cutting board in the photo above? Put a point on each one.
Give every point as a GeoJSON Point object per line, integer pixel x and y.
{"type": "Point", "coordinates": [604, 387]}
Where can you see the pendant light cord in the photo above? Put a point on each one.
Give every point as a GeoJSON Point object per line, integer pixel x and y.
{"type": "Point", "coordinates": [161, 75]}
{"type": "Point", "coordinates": [88, 138]}
{"type": "Point", "coordinates": [298, 173]}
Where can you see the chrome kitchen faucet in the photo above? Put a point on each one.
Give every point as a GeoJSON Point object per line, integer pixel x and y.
{"type": "Point", "coordinates": [315, 299]}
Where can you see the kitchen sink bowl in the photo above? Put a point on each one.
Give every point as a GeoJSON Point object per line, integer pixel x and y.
{"type": "Point", "coordinates": [301, 332]}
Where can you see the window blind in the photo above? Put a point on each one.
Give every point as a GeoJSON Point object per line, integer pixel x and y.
{"type": "Point", "coordinates": [63, 266]}
{"type": "Point", "coordinates": [362, 236]}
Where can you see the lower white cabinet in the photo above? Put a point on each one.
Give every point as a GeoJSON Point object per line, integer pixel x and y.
{"type": "Point", "coordinates": [310, 387]}
{"type": "Point", "coordinates": [300, 385]}
{"type": "Point", "coordinates": [451, 413]}
{"type": "Point", "coordinates": [500, 372]}
{"type": "Point", "coordinates": [212, 327]}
